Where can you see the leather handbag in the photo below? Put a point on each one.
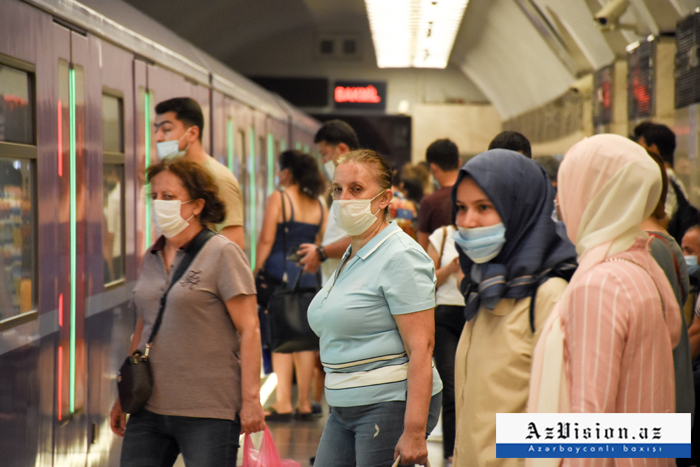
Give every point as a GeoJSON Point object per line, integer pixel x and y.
{"type": "Point", "coordinates": [287, 317]}
{"type": "Point", "coordinates": [135, 379]}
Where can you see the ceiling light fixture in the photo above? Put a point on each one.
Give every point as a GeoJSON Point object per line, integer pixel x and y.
{"type": "Point", "coordinates": [414, 33]}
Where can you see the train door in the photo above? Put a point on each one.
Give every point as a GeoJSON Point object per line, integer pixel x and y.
{"type": "Point", "coordinates": [111, 228]}
{"type": "Point", "coordinates": [144, 148]}
{"type": "Point", "coordinates": [261, 168]}
{"type": "Point", "coordinates": [74, 59]}
{"type": "Point", "coordinates": [242, 137]}
{"type": "Point", "coordinates": [219, 128]}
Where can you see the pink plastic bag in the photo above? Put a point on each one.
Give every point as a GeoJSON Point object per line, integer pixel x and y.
{"type": "Point", "coordinates": [267, 456]}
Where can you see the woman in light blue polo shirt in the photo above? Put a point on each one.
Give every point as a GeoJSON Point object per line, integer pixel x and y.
{"type": "Point", "coordinates": [375, 321]}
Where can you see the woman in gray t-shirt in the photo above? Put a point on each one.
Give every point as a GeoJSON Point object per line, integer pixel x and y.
{"type": "Point", "coordinates": [205, 357]}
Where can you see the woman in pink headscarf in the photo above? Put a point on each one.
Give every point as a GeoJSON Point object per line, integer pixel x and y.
{"type": "Point", "coordinates": [607, 345]}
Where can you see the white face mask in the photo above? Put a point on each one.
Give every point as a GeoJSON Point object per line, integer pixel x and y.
{"type": "Point", "coordinates": [171, 148]}
{"type": "Point", "coordinates": [354, 216]}
{"type": "Point", "coordinates": [329, 168]}
{"type": "Point", "coordinates": [167, 218]}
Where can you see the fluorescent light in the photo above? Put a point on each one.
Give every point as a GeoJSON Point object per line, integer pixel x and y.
{"type": "Point", "coordinates": [414, 33]}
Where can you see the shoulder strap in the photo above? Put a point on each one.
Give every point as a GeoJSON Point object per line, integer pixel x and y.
{"type": "Point", "coordinates": [197, 243]}
{"type": "Point", "coordinates": [442, 247]}
{"type": "Point", "coordinates": [291, 206]}
{"type": "Point", "coordinates": [285, 228]}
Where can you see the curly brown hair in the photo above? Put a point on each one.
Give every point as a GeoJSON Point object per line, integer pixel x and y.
{"type": "Point", "coordinates": [198, 183]}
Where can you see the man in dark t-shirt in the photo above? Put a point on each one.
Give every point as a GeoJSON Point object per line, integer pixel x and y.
{"type": "Point", "coordinates": [436, 208]}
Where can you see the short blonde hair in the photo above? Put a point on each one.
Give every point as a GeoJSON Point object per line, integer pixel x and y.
{"type": "Point", "coordinates": [376, 164]}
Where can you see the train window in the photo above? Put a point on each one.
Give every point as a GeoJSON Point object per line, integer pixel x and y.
{"type": "Point", "coordinates": [17, 237]}
{"type": "Point", "coordinates": [113, 225]}
{"type": "Point", "coordinates": [16, 106]}
{"type": "Point", "coordinates": [112, 124]}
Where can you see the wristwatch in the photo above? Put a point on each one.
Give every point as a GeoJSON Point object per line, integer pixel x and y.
{"type": "Point", "coordinates": [322, 256]}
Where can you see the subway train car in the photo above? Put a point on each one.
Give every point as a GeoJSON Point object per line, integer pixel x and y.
{"type": "Point", "coordinates": [77, 96]}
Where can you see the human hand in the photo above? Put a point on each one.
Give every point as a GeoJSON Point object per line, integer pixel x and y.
{"type": "Point", "coordinates": [309, 260]}
{"type": "Point", "coordinates": [117, 419]}
{"type": "Point", "coordinates": [412, 449]}
{"type": "Point", "coordinates": [252, 417]}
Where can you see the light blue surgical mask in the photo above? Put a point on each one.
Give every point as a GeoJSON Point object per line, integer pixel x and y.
{"type": "Point", "coordinates": [559, 225]}
{"type": "Point", "coordinates": [171, 148]}
{"type": "Point", "coordinates": [693, 268]}
{"type": "Point", "coordinates": [481, 244]}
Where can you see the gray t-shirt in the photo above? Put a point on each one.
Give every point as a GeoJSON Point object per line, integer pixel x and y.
{"type": "Point", "coordinates": [195, 356]}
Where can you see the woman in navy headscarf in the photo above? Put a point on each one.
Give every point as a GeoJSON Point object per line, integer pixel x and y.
{"type": "Point", "coordinates": [516, 268]}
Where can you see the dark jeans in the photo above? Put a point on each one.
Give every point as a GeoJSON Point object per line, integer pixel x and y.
{"type": "Point", "coordinates": [153, 440]}
{"type": "Point", "coordinates": [366, 435]}
{"type": "Point", "coordinates": [449, 321]}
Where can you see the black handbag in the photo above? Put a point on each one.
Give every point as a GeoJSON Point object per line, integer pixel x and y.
{"type": "Point", "coordinates": [135, 379]}
{"type": "Point", "coordinates": [287, 318]}
{"type": "Point", "coordinates": [288, 325]}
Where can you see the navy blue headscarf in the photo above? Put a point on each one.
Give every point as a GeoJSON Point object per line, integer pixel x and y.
{"type": "Point", "coordinates": [523, 196]}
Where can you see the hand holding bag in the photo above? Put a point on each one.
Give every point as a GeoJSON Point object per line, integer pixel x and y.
{"type": "Point", "coordinates": [135, 379]}
{"type": "Point", "coordinates": [267, 456]}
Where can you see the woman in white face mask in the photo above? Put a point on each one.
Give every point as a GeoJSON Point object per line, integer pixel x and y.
{"type": "Point", "coordinates": [205, 357]}
{"type": "Point", "coordinates": [375, 321]}
{"type": "Point", "coordinates": [516, 268]}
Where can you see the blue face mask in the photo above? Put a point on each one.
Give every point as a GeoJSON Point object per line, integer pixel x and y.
{"type": "Point", "coordinates": [481, 244]}
{"type": "Point", "coordinates": [693, 268]}
{"type": "Point", "coordinates": [559, 225]}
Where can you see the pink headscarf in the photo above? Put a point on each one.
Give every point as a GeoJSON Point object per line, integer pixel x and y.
{"type": "Point", "coordinates": [608, 185]}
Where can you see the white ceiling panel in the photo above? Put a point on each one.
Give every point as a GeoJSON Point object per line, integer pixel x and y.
{"type": "Point", "coordinates": [578, 21]}
{"type": "Point", "coordinates": [501, 51]}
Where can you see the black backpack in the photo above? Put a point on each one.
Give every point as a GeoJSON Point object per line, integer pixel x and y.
{"type": "Point", "coordinates": [685, 216]}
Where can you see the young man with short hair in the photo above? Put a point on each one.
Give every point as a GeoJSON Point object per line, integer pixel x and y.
{"type": "Point", "coordinates": [436, 208]}
{"type": "Point", "coordinates": [178, 127]}
{"type": "Point", "coordinates": [512, 140]}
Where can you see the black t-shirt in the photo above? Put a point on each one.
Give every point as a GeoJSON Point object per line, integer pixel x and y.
{"type": "Point", "coordinates": [435, 210]}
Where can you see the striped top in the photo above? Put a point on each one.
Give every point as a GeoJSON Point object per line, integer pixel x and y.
{"type": "Point", "coordinates": [619, 330]}
{"type": "Point", "coordinates": [361, 348]}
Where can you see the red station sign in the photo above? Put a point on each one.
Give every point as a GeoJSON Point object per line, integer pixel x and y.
{"type": "Point", "coordinates": [360, 95]}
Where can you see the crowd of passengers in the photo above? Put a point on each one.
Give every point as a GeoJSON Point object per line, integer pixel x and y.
{"type": "Point", "coordinates": [444, 287]}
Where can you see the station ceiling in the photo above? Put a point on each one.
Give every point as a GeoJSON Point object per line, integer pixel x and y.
{"type": "Point", "coordinates": [520, 54]}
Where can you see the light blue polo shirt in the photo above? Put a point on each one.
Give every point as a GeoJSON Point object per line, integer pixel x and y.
{"type": "Point", "coordinates": [361, 348]}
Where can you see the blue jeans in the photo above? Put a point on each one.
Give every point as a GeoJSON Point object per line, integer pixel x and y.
{"type": "Point", "coordinates": [153, 440]}
{"type": "Point", "coordinates": [366, 435]}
